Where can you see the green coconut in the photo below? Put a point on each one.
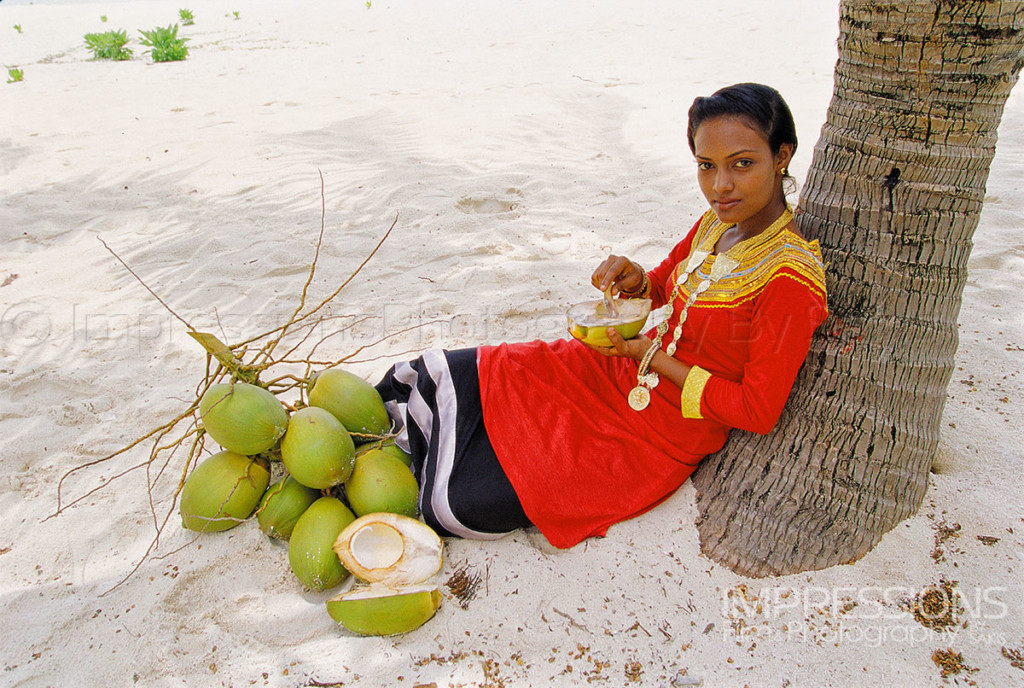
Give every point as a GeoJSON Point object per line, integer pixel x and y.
{"type": "Point", "coordinates": [381, 482]}
{"type": "Point", "coordinates": [222, 491]}
{"type": "Point", "coordinates": [317, 450]}
{"type": "Point", "coordinates": [378, 610]}
{"type": "Point", "coordinates": [589, 321]}
{"type": "Point", "coordinates": [387, 446]}
{"type": "Point", "coordinates": [243, 418]}
{"type": "Point", "coordinates": [310, 552]}
{"type": "Point", "coordinates": [396, 555]}
{"type": "Point", "coordinates": [352, 400]}
{"type": "Point", "coordinates": [282, 505]}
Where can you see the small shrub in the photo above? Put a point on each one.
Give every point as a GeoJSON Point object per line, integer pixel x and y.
{"type": "Point", "coordinates": [164, 44]}
{"type": "Point", "coordinates": [186, 17]}
{"type": "Point", "coordinates": [17, 27]}
{"type": "Point", "coordinates": [103, 18]}
{"type": "Point", "coordinates": [237, 15]}
{"type": "Point", "coordinates": [108, 45]}
{"type": "Point", "coordinates": [15, 75]}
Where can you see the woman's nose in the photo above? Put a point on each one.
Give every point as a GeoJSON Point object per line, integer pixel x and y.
{"type": "Point", "coordinates": [723, 181]}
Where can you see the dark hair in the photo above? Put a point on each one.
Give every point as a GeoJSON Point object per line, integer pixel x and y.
{"type": "Point", "coordinates": [761, 105]}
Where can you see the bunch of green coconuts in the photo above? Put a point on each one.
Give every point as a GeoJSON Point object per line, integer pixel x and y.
{"type": "Point", "coordinates": [343, 509]}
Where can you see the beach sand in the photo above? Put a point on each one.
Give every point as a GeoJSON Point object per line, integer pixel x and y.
{"type": "Point", "coordinates": [517, 144]}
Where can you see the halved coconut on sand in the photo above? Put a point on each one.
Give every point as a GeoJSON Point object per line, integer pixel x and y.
{"type": "Point", "coordinates": [395, 556]}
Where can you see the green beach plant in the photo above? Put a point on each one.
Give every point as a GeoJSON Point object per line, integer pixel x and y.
{"type": "Point", "coordinates": [237, 17]}
{"type": "Point", "coordinates": [164, 44]}
{"type": "Point", "coordinates": [14, 75]}
{"type": "Point", "coordinates": [103, 18]}
{"type": "Point", "coordinates": [17, 27]}
{"type": "Point", "coordinates": [109, 45]}
{"type": "Point", "coordinates": [187, 19]}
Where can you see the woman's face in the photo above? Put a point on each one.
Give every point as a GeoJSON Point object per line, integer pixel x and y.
{"type": "Point", "coordinates": [738, 174]}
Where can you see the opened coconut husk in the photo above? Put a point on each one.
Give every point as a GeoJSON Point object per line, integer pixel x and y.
{"type": "Point", "coordinates": [395, 556]}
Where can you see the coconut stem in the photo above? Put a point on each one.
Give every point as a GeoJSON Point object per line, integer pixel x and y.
{"type": "Point", "coordinates": [230, 361]}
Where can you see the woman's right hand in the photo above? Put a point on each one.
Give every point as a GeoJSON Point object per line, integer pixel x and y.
{"type": "Point", "coordinates": [620, 273]}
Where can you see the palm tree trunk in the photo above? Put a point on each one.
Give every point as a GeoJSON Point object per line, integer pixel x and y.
{"type": "Point", "coordinates": [894, 194]}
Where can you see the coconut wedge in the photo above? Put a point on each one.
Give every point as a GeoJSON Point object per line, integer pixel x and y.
{"type": "Point", "coordinates": [379, 610]}
{"type": "Point", "coordinates": [396, 555]}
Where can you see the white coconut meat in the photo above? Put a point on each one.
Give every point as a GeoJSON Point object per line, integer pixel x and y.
{"type": "Point", "coordinates": [596, 313]}
{"type": "Point", "coordinates": [393, 550]}
{"type": "Point", "coordinates": [373, 590]}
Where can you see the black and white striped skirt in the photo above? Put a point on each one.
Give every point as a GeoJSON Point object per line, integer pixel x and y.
{"type": "Point", "coordinates": [434, 402]}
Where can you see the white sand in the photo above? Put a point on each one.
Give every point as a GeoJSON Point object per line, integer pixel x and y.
{"type": "Point", "coordinates": [518, 142]}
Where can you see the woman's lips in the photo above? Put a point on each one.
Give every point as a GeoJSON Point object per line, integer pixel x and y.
{"type": "Point", "coordinates": [727, 203]}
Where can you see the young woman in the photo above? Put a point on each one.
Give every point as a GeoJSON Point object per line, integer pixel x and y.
{"type": "Point", "coordinates": [572, 439]}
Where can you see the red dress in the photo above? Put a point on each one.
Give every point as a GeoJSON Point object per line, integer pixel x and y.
{"type": "Point", "coordinates": [580, 459]}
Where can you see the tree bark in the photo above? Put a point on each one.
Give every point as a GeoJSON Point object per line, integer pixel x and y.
{"type": "Point", "coordinates": [894, 194]}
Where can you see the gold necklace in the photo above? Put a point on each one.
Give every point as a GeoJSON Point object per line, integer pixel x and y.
{"type": "Point", "coordinates": [646, 380]}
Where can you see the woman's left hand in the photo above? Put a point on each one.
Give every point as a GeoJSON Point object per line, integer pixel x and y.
{"type": "Point", "coordinates": [634, 348]}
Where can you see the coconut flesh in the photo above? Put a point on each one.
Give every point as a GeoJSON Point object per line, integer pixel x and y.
{"type": "Point", "coordinates": [397, 556]}
{"type": "Point", "coordinates": [389, 548]}
{"type": "Point", "coordinates": [377, 545]}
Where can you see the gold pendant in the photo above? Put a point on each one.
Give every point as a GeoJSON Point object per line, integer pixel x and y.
{"type": "Point", "coordinates": [639, 397]}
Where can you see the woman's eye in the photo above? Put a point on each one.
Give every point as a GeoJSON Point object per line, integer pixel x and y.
{"type": "Point", "coordinates": [744, 163]}
{"type": "Point", "coordinates": [704, 166]}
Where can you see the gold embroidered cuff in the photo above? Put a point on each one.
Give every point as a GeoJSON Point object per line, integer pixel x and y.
{"type": "Point", "coordinates": [693, 391]}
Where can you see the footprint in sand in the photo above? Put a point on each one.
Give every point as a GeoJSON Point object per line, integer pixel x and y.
{"type": "Point", "coordinates": [490, 205]}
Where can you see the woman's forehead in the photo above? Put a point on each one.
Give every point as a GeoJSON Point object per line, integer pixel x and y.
{"type": "Point", "coordinates": [728, 132]}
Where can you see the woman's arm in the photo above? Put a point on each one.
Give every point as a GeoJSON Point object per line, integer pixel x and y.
{"type": "Point", "coordinates": [785, 316]}
{"type": "Point", "coordinates": [627, 278]}
{"type": "Point", "coordinates": [667, 366]}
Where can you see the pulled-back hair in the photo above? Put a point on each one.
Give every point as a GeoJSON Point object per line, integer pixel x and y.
{"type": "Point", "coordinates": [760, 105]}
